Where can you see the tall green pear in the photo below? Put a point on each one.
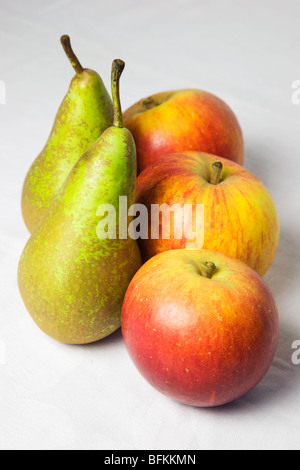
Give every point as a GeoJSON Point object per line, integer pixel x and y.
{"type": "Point", "coordinates": [72, 281]}
{"type": "Point", "coordinates": [84, 114]}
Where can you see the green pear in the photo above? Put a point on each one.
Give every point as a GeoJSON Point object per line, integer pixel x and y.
{"type": "Point", "coordinates": [84, 114]}
{"type": "Point", "coordinates": [72, 282]}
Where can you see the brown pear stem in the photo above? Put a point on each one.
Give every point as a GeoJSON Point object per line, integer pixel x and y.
{"type": "Point", "coordinates": [66, 43]}
{"type": "Point", "coordinates": [207, 269]}
{"type": "Point", "coordinates": [216, 173]}
{"type": "Point", "coordinates": [116, 72]}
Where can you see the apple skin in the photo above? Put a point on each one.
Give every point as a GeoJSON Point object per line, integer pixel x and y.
{"type": "Point", "coordinates": [180, 120]}
{"type": "Point", "coordinates": [202, 342]}
{"type": "Point", "coordinates": [240, 217]}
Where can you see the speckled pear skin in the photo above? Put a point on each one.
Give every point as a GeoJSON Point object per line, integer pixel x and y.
{"type": "Point", "coordinates": [84, 114]}
{"type": "Point", "coordinates": [72, 283]}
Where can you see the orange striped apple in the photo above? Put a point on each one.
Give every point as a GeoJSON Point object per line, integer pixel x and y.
{"type": "Point", "coordinates": [180, 120]}
{"type": "Point", "coordinates": [240, 217]}
{"type": "Point", "coordinates": [200, 326]}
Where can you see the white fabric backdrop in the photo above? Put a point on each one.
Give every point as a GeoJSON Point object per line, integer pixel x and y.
{"type": "Point", "coordinates": [54, 396]}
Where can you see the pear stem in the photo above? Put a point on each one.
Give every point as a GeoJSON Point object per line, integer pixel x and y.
{"type": "Point", "coordinates": [216, 173]}
{"type": "Point", "coordinates": [116, 72]}
{"type": "Point", "coordinates": [66, 43]}
{"type": "Point", "coordinates": [207, 269]}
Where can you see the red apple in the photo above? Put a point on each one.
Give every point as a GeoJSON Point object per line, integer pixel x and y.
{"type": "Point", "coordinates": [240, 217]}
{"type": "Point", "coordinates": [180, 120]}
{"type": "Point", "coordinates": [200, 326]}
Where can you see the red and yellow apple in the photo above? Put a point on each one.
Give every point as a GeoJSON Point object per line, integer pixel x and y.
{"type": "Point", "coordinates": [200, 326]}
{"type": "Point", "coordinates": [180, 120]}
{"type": "Point", "coordinates": [240, 217]}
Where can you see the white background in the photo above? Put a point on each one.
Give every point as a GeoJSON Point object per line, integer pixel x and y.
{"type": "Point", "coordinates": [54, 396]}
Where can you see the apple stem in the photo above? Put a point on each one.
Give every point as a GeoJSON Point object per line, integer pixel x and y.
{"type": "Point", "coordinates": [66, 43]}
{"type": "Point", "coordinates": [116, 72]}
{"type": "Point", "coordinates": [216, 173]}
{"type": "Point", "coordinates": [208, 269]}
{"type": "Point", "coordinates": [148, 103]}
